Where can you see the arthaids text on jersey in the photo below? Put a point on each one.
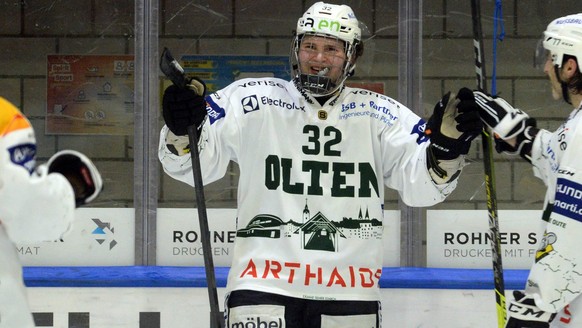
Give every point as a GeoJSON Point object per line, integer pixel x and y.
{"type": "Point", "coordinates": [310, 274]}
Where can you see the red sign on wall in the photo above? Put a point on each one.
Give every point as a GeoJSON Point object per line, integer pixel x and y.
{"type": "Point", "coordinates": [90, 94]}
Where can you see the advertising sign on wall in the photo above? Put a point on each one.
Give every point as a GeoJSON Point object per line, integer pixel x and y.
{"type": "Point", "coordinates": [98, 236]}
{"type": "Point", "coordinates": [90, 94]}
{"type": "Point", "coordinates": [218, 71]}
{"type": "Point", "coordinates": [460, 238]}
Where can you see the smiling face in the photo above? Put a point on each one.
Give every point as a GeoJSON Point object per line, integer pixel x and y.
{"type": "Point", "coordinates": [322, 56]}
{"type": "Point", "coordinates": [325, 47]}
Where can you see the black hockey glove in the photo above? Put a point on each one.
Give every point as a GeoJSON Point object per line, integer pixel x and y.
{"type": "Point", "coordinates": [183, 107]}
{"type": "Point", "coordinates": [453, 125]}
{"type": "Point", "coordinates": [523, 313]}
{"type": "Point", "coordinates": [81, 173]}
{"type": "Point", "coordinates": [507, 123]}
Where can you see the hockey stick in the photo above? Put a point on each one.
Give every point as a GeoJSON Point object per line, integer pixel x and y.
{"type": "Point", "coordinates": [172, 69]}
{"type": "Point", "coordinates": [489, 171]}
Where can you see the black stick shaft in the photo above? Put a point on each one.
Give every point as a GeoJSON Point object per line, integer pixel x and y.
{"type": "Point", "coordinates": [489, 171]}
{"type": "Point", "coordinates": [172, 70]}
{"type": "Point", "coordinates": [215, 315]}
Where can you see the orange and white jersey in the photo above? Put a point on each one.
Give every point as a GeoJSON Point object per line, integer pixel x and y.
{"type": "Point", "coordinates": [34, 205]}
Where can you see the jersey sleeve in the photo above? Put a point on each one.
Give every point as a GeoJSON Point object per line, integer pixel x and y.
{"type": "Point", "coordinates": [405, 162]}
{"type": "Point", "coordinates": [540, 158]}
{"type": "Point", "coordinates": [36, 206]}
{"type": "Point", "coordinates": [555, 279]}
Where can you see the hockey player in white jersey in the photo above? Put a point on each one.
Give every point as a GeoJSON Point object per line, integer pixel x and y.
{"type": "Point", "coordinates": [37, 204]}
{"type": "Point", "coordinates": [314, 157]}
{"type": "Point", "coordinates": [555, 279]}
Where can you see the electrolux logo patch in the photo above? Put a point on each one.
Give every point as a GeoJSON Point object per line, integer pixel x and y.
{"type": "Point", "coordinates": [281, 103]}
{"type": "Point", "coordinates": [103, 233]}
{"type": "Point", "coordinates": [250, 104]}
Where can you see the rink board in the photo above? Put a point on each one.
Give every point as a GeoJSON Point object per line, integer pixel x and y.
{"type": "Point", "coordinates": [176, 297]}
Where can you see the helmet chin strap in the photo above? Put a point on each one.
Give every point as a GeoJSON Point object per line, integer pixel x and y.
{"type": "Point", "coordinates": [564, 86]}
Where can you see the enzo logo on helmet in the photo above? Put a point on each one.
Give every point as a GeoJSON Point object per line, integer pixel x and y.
{"type": "Point", "coordinates": [323, 24]}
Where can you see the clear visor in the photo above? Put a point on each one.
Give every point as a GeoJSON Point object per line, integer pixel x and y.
{"type": "Point", "coordinates": [541, 55]}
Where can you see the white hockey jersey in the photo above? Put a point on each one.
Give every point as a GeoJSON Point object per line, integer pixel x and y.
{"type": "Point", "coordinates": [25, 188]}
{"type": "Point", "coordinates": [555, 279]}
{"type": "Point", "coordinates": [311, 187]}
{"type": "Point", "coordinates": [34, 206]}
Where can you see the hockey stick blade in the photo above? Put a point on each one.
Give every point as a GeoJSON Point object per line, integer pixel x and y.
{"type": "Point", "coordinates": [172, 69]}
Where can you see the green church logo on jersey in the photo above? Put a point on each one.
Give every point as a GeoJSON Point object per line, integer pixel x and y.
{"type": "Point", "coordinates": [315, 232]}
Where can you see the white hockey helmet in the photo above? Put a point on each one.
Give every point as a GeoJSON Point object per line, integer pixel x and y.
{"type": "Point", "coordinates": [327, 20]}
{"type": "Point", "coordinates": [563, 36]}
